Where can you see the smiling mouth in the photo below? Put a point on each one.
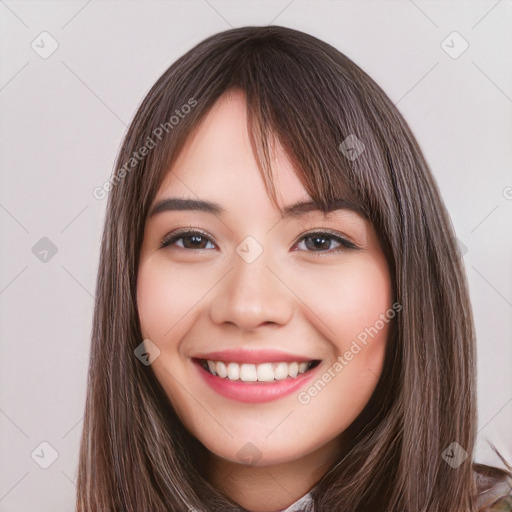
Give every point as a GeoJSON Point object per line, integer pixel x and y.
{"type": "Point", "coordinates": [263, 372]}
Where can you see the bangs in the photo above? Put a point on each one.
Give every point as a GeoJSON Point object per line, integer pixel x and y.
{"type": "Point", "coordinates": [267, 131]}
{"type": "Point", "coordinates": [283, 105]}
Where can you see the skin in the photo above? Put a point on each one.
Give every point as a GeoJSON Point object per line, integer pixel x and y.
{"type": "Point", "coordinates": [294, 297]}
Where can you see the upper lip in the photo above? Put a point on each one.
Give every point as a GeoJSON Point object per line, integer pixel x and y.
{"type": "Point", "coordinates": [241, 355]}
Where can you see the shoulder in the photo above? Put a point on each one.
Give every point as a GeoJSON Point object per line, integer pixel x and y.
{"type": "Point", "coordinates": [494, 488]}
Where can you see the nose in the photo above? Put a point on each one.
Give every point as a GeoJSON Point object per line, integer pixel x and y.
{"type": "Point", "coordinates": [252, 295]}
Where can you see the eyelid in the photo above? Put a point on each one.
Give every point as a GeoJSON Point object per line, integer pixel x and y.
{"type": "Point", "coordinates": [334, 234]}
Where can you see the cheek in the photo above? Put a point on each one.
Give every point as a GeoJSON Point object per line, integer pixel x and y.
{"type": "Point", "coordinates": [165, 301]}
{"type": "Point", "coordinates": [165, 298]}
{"type": "Point", "coordinates": [349, 306]}
{"type": "Point", "coordinates": [345, 302]}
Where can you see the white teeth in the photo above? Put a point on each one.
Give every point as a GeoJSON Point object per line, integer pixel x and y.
{"type": "Point", "coordinates": [211, 367]}
{"type": "Point", "coordinates": [248, 373]}
{"type": "Point", "coordinates": [221, 369]}
{"type": "Point", "coordinates": [281, 371]}
{"type": "Point", "coordinates": [233, 371]}
{"type": "Point", "coordinates": [293, 369]}
{"type": "Point", "coordinates": [265, 372]}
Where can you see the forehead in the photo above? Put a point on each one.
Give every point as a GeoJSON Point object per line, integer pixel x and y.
{"type": "Point", "coordinates": [217, 160]}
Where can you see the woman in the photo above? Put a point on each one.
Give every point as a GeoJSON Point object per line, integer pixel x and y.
{"type": "Point", "coordinates": [282, 317]}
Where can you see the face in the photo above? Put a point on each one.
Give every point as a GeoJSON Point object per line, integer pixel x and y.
{"type": "Point", "coordinates": [294, 309]}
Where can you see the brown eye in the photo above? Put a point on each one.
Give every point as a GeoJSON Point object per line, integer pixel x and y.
{"type": "Point", "coordinates": [322, 242]}
{"type": "Point", "coordinates": [190, 240]}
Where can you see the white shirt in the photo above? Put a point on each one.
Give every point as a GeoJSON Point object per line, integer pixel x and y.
{"type": "Point", "coordinates": [304, 504]}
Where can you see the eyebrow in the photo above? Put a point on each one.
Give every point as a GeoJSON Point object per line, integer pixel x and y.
{"type": "Point", "coordinates": [291, 211]}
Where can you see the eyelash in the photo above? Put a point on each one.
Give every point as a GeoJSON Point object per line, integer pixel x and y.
{"type": "Point", "coordinates": [345, 244]}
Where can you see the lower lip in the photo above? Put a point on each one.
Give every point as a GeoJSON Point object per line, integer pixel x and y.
{"type": "Point", "coordinates": [254, 392]}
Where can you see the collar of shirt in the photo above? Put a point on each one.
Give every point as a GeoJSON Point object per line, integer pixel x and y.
{"type": "Point", "coordinates": [304, 504]}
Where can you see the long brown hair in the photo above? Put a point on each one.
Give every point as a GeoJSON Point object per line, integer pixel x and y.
{"type": "Point", "coordinates": [135, 453]}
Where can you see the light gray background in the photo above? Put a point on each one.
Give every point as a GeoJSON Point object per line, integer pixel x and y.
{"type": "Point", "coordinates": [63, 118]}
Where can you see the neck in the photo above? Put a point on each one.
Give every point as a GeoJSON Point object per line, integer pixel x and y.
{"type": "Point", "coordinates": [271, 487]}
